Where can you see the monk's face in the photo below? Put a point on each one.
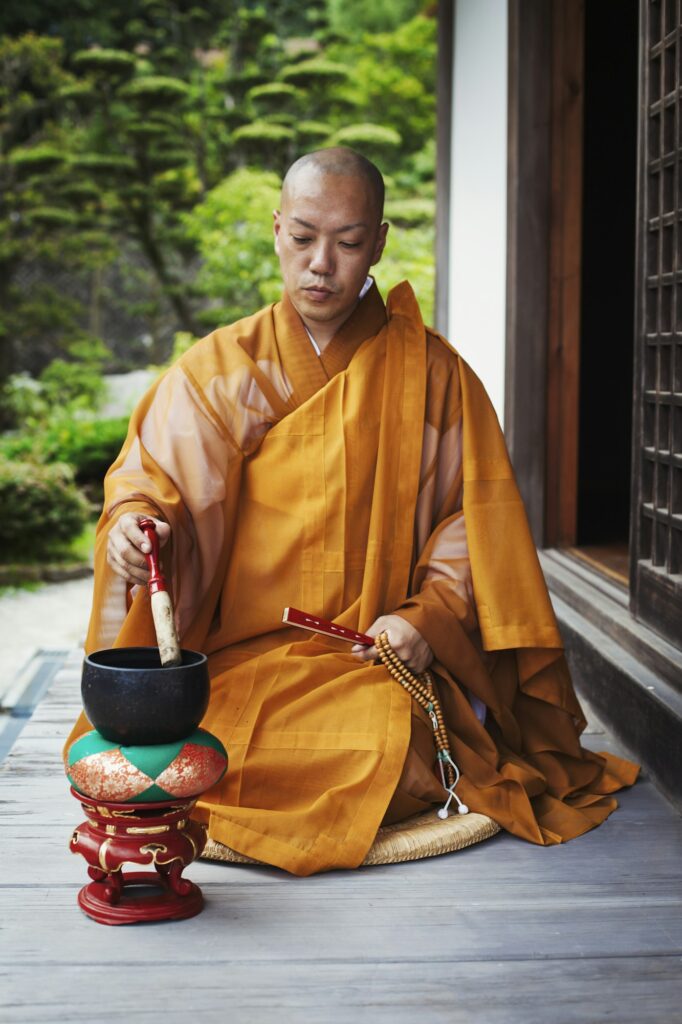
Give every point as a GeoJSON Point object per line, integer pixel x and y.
{"type": "Point", "coordinates": [327, 236]}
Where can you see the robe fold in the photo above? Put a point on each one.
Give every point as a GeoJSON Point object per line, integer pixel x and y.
{"type": "Point", "coordinates": [372, 480]}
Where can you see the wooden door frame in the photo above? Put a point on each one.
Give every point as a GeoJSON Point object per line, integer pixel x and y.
{"type": "Point", "coordinates": [544, 236]}
{"type": "Point", "coordinates": [528, 212]}
{"type": "Point", "coordinates": [546, 46]}
{"type": "Point", "coordinates": [565, 263]}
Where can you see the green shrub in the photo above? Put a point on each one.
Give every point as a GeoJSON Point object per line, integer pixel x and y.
{"type": "Point", "coordinates": [18, 445]}
{"type": "Point", "coordinates": [354, 17]}
{"type": "Point", "coordinates": [409, 254]}
{"type": "Point", "coordinates": [410, 212]}
{"type": "Point", "coordinates": [76, 385]}
{"type": "Point", "coordinates": [263, 132]}
{"type": "Point", "coordinates": [108, 62]}
{"type": "Point", "coordinates": [155, 89]}
{"type": "Point", "coordinates": [233, 232]}
{"type": "Point", "coordinates": [88, 446]}
{"type": "Point", "coordinates": [104, 164]}
{"type": "Point", "coordinates": [279, 92]}
{"type": "Point", "coordinates": [41, 509]}
{"type": "Point", "coordinates": [51, 217]}
{"type": "Point", "coordinates": [367, 136]}
{"type": "Point", "coordinates": [22, 400]}
{"type": "Point", "coordinates": [146, 129]}
{"type": "Point", "coordinates": [313, 131]}
{"type": "Point", "coordinates": [36, 160]}
{"type": "Point", "coordinates": [80, 93]}
{"type": "Point", "coordinates": [79, 191]}
{"type": "Point", "coordinates": [166, 159]}
{"type": "Point", "coordinates": [314, 73]}
{"type": "Point", "coordinates": [65, 387]}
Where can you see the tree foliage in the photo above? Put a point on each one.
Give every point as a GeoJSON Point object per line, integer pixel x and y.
{"type": "Point", "coordinates": [232, 228]}
{"type": "Point", "coordinates": [141, 143]}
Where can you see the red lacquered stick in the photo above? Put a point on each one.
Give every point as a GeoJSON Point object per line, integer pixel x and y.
{"type": "Point", "coordinates": [295, 617]}
{"type": "Point", "coordinates": [162, 607]}
{"type": "Point", "coordinates": [157, 581]}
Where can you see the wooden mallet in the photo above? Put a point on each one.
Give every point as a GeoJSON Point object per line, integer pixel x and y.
{"type": "Point", "coordinates": [162, 606]}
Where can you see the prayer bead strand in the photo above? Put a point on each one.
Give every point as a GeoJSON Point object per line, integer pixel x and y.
{"type": "Point", "coordinates": [422, 690]}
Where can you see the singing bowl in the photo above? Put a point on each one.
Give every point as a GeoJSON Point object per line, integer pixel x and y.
{"type": "Point", "coordinates": [132, 699]}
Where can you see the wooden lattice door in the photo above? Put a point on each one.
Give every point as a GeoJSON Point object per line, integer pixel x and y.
{"type": "Point", "coordinates": [656, 547]}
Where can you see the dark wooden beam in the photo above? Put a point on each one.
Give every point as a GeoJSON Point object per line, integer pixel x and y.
{"type": "Point", "coordinates": [528, 212]}
{"type": "Point", "coordinates": [563, 362]}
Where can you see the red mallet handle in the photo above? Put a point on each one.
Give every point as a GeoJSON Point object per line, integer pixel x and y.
{"type": "Point", "coordinates": [162, 607]}
{"type": "Point", "coordinates": [157, 581]}
{"type": "Point", "coordinates": [315, 624]}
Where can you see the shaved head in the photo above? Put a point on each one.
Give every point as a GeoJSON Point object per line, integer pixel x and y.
{"type": "Point", "coordinates": [339, 161]}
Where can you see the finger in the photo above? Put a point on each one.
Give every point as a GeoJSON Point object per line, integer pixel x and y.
{"type": "Point", "coordinates": [402, 648]}
{"type": "Point", "coordinates": [357, 648]}
{"type": "Point", "coordinates": [134, 572]}
{"type": "Point", "coordinates": [363, 652]}
{"type": "Point", "coordinates": [131, 530]}
{"type": "Point", "coordinates": [420, 662]}
{"type": "Point", "coordinates": [129, 573]}
{"type": "Point", "coordinates": [407, 651]}
{"type": "Point", "coordinates": [163, 531]}
{"type": "Point", "coordinates": [125, 550]}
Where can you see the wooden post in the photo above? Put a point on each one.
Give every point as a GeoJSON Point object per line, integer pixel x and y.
{"type": "Point", "coordinates": [528, 147]}
{"type": "Point", "coordinates": [563, 362]}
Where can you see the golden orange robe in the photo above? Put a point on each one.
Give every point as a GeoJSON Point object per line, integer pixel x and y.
{"type": "Point", "coordinates": [342, 485]}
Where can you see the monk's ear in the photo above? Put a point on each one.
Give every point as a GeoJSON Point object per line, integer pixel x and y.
{"type": "Point", "coordinates": [276, 227]}
{"type": "Point", "coordinates": [381, 243]}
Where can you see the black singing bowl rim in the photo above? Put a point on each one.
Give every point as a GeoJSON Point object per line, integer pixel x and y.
{"type": "Point", "coordinates": [190, 659]}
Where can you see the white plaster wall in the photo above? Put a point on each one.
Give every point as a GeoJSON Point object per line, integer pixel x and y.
{"type": "Point", "coordinates": [478, 217]}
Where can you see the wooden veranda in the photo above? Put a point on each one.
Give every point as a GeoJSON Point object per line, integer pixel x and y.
{"type": "Point", "coordinates": [497, 933]}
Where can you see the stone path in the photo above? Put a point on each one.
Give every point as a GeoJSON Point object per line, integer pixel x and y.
{"type": "Point", "coordinates": [54, 616]}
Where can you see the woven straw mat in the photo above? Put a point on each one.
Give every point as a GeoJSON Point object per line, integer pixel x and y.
{"type": "Point", "coordinates": [424, 835]}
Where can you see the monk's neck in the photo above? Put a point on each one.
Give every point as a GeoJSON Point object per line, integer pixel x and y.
{"type": "Point", "coordinates": [321, 333]}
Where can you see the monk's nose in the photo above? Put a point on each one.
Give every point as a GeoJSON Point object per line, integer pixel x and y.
{"type": "Point", "coordinates": [321, 261]}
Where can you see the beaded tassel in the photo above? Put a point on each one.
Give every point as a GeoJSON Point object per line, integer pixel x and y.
{"type": "Point", "coordinates": [422, 689]}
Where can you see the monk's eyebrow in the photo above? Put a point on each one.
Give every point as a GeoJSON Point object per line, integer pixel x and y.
{"type": "Point", "coordinates": [346, 227]}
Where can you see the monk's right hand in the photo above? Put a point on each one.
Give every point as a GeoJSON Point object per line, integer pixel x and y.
{"type": "Point", "coordinates": [127, 546]}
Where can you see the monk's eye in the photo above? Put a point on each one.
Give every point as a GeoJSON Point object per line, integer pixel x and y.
{"type": "Point", "coordinates": [300, 239]}
{"type": "Point", "coordinates": [350, 245]}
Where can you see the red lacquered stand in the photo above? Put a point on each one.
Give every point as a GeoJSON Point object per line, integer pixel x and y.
{"type": "Point", "coordinates": [162, 834]}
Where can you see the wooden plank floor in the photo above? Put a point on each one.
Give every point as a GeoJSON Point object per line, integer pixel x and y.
{"type": "Point", "coordinates": [498, 933]}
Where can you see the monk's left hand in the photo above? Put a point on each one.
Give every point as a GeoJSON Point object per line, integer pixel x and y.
{"type": "Point", "coordinates": [406, 641]}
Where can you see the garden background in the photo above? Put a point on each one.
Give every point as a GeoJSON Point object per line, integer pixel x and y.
{"type": "Point", "coordinates": [142, 145]}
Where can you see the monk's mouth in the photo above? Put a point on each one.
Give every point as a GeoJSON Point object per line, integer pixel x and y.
{"type": "Point", "coordinates": [318, 294]}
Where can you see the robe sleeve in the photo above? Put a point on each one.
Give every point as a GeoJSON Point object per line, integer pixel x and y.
{"type": "Point", "coordinates": [441, 581]}
{"type": "Point", "coordinates": [441, 604]}
{"type": "Point", "coordinates": [443, 577]}
{"type": "Point", "coordinates": [180, 464]}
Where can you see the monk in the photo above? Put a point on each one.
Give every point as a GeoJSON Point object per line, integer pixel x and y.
{"type": "Point", "coordinates": [331, 453]}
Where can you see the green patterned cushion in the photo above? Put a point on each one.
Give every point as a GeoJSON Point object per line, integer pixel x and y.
{"type": "Point", "coordinates": [161, 771]}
